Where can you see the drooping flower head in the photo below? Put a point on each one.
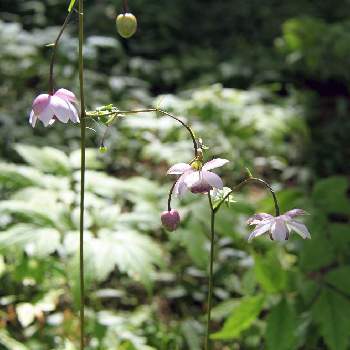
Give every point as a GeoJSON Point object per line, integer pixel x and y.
{"type": "Point", "coordinates": [170, 219]}
{"type": "Point", "coordinates": [59, 106]}
{"type": "Point", "coordinates": [279, 227]}
{"type": "Point", "coordinates": [196, 176]}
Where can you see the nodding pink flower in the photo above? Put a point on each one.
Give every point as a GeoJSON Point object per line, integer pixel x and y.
{"type": "Point", "coordinates": [279, 227]}
{"type": "Point", "coordinates": [196, 177]}
{"type": "Point", "coordinates": [48, 108]}
{"type": "Point", "coordinates": [170, 219]}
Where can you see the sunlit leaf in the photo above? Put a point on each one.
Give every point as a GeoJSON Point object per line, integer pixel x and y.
{"type": "Point", "coordinates": [242, 317]}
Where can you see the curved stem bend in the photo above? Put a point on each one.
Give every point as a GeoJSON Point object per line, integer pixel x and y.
{"type": "Point", "coordinates": [246, 181]}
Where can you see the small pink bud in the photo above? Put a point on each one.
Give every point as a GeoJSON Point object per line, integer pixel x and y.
{"type": "Point", "coordinates": [170, 219]}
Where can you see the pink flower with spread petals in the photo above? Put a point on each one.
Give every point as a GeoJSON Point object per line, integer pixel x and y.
{"type": "Point", "coordinates": [280, 227]}
{"type": "Point", "coordinates": [48, 108]}
{"type": "Point", "coordinates": [197, 178]}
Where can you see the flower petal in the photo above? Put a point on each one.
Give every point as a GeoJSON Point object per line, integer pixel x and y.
{"type": "Point", "coordinates": [279, 230]}
{"type": "Point", "coordinates": [40, 103]}
{"type": "Point", "coordinates": [73, 113]}
{"type": "Point", "coordinates": [60, 108]}
{"type": "Point", "coordinates": [192, 177]}
{"type": "Point", "coordinates": [295, 212]}
{"type": "Point", "coordinates": [299, 228]}
{"type": "Point", "coordinates": [256, 219]}
{"type": "Point", "coordinates": [260, 230]}
{"type": "Point", "coordinates": [66, 95]}
{"type": "Point", "coordinates": [214, 163]}
{"type": "Point", "coordinates": [46, 116]}
{"type": "Point", "coordinates": [212, 179]}
{"type": "Point", "coordinates": [179, 168]}
{"type": "Point", "coordinates": [180, 187]}
{"type": "Point", "coordinates": [32, 119]}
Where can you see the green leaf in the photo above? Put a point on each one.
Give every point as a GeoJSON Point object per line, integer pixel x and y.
{"type": "Point", "coordinates": [71, 5]}
{"type": "Point", "coordinates": [36, 241]}
{"type": "Point", "coordinates": [91, 159]}
{"type": "Point", "coordinates": [219, 195]}
{"type": "Point", "coordinates": [18, 176]}
{"type": "Point", "coordinates": [281, 327]}
{"type": "Point", "coordinates": [269, 273]}
{"type": "Point", "coordinates": [242, 317]}
{"type": "Point", "coordinates": [330, 195]}
{"type": "Point", "coordinates": [339, 278]}
{"type": "Point", "coordinates": [131, 252]}
{"type": "Point", "coordinates": [331, 311]}
{"type": "Point", "coordinates": [47, 159]}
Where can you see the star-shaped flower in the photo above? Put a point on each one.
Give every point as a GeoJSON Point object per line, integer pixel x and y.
{"type": "Point", "coordinates": [279, 227]}
{"type": "Point", "coordinates": [59, 106]}
{"type": "Point", "coordinates": [196, 177]}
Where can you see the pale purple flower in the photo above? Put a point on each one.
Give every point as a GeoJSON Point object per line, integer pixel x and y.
{"type": "Point", "coordinates": [197, 178]}
{"type": "Point", "coordinates": [280, 227]}
{"type": "Point", "coordinates": [47, 108]}
{"type": "Point", "coordinates": [170, 219]}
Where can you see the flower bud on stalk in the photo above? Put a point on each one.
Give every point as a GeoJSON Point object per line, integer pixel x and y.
{"type": "Point", "coordinates": [126, 25]}
{"type": "Point", "coordinates": [170, 219]}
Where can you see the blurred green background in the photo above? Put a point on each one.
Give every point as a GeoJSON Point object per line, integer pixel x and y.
{"type": "Point", "coordinates": [265, 84]}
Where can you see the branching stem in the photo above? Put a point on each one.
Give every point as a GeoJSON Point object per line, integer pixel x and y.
{"type": "Point", "coordinates": [148, 110]}
{"type": "Point", "coordinates": [251, 180]}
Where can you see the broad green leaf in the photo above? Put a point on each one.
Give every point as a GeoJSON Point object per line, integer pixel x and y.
{"type": "Point", "coordinates": [9, 343]}
{"type": "Point", "coordinates": [269, 273]}
{"type": "Point", "coordinates": [2, 265]}
{"type": "Point", "coordinates": [131, 252]}
{"type": "Point", "coordinates": [35, 214]}
{"type": "Point", "coordinates": [242, 317]}
{"type": "Point", "coordinates": [330, 195]}
{"type": "Point", "coordinates": [281, 327]}
{"type": "Point", "coordinates": [91, 159]}
{"type": "Point", "coordinates": [36, 241]}
{"type": "Point", "coordinates": [17, 176]}
{"type": "Point", "coordinates": [331, 312]}
{"type": "Point", "coordinates": [339, 278]}
{"type": "Point", "coordinates": [47, 159]}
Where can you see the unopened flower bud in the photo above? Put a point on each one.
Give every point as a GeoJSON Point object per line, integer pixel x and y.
{"type": "Point", "coordinates": [103, 149]}
{"type": "Point", "coordinates": [170, 219]}
{"type": "Point", "coordinates": [126, 25]}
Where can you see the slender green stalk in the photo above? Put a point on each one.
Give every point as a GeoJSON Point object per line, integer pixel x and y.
{"type": "Point", "coordinates": [82, 174]}
{"type": "Point", "coordinates": [54, 50]}
{"type": "Point", "coordinates": [157, 110]}
{"type": "Point", "coordinates": [211, 263]}
{"type": "Point", "coordinates": [243, 183]}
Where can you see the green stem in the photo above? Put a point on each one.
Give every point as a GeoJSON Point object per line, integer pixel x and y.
{"type": "Point", "coordinates": [211, 263]}
{"type": "Point", "coordinates": [53, 56]}
{"type": "Point", "coordinates": [147, 110]}
{"type": "Point", "coordinates": [82, 174]}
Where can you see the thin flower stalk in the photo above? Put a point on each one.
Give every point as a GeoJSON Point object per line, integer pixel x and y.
{"type": "Point", "coordinates": [82, 174]}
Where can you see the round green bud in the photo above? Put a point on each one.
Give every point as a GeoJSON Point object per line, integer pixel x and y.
{"type": "Point", "coordinates": [126, 25]}
{"type": "Point", "coordinates": [103, 149]}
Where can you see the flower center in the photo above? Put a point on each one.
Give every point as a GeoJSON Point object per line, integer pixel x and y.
{"type": "Point", "coordinates": [196, 165]}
